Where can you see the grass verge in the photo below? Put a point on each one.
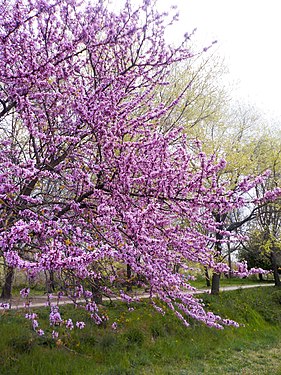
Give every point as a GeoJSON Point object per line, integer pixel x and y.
{"type": "Point", "coordinates": [147, 343]}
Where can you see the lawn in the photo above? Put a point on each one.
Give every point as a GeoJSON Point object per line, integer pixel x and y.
{"type": "Point", "coordinates": [145, 342]}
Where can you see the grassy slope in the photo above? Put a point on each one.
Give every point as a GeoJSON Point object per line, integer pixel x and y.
{"type": "Point", "coordinates": [147, 343]}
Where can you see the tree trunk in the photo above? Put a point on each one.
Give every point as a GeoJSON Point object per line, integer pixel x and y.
{"type": "Point", "coordinates": [8, 283]}
{"type": "Point", "coordinates": [50, 281]}
{"type": "Point", "coordinates": [129, 275]}
{"type": "Point", "coordinates": [207, 277]}
{"type": "Point", "coordinates": [229, 260]}
{"type": "Point", "coordinates": [215, 289]}
{"type": "Point", "coordinates": [275, 269]}
{"type": "Point", "coordinates": [97, 295]}
{"type": "Point", "coordinates": [215, 283]}
{"type": "Point", "coordinates": [260, 276]}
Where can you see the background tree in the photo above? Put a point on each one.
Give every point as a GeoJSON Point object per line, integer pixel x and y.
{"type": "Point", "coordinates": [253, 252]}
{"type": "Point", "coordinates": [225, 129]}
{"type": "Point", "coordinates": [267, 153]}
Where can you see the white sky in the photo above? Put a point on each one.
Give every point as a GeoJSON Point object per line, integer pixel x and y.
{"type": "Point", "coordinates": [249, 37]}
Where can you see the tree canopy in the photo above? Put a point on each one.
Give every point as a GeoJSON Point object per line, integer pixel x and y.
{"type": "Point", "coordinates": [89, 181]}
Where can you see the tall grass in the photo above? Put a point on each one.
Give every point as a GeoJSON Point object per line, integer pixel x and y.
{"type": "Point", "coordinates": [148, 343]}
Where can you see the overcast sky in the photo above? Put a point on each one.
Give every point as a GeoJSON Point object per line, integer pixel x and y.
{"type": "Point", "coordinates": [249, 38]}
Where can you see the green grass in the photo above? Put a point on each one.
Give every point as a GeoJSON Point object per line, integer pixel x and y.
{"type": "Point", "coordinates": [148, 343]}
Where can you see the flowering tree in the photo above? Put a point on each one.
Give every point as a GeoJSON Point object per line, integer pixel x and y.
{"type": "Point", "coordinates": [88, 181]}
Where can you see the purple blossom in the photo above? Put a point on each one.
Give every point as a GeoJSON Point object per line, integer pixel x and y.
{"type": "Point", "coordinates": [80, 325]}
{"type": "Point", "coordinates": [25, 292]}
{"type": "Point", "coordinates": [97, 319]}
{"type": "Point", "coordinates": [35, 324]}
{"type": "Point", "coordinates": [88, 294]}
{"type": "Point", "coordinates": [31, 316]}
{"type": "Point", "coordinates": [40, 332]}
{"type": "Point", "coordinates": [55, 334]}
{"type": "Point", "coordinates": [97, 187]}
{"type": "Point", "coordinates": [55, 317]}
{"type": "Point", "coordinates": [69, 324]}
{"type": "Point", "coordinates": [91, 306]}
{"type": "Point", "coordinates": [5, 306]}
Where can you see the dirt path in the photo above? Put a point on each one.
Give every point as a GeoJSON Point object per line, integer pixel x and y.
{"type": "Point", "coordinates": [41, 301]}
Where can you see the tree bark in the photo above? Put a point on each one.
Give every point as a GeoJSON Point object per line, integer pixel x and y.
{"type": "Point", "coordinates": [129, 275]}
{"type": "Point", "coordinates": [207, 277]}
{"type": "Point", "coordinates": [215, 283]}
{"type": "Point", "coordinates": [97, 295]}
{"type": "Point", "coordinates": [50, 282]}
{"type": "Point", "coordinates": [229, 260]}
{"type": "Point", "coordinates": [8, 283]}
{"type": "Point", "coordinates": [215, 289]}
{"type": "Point", "coordinates": [275, 268]}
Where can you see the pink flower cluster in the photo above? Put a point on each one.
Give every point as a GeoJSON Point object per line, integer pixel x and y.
{"type": "Point", "coordinates": [89, 182]}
